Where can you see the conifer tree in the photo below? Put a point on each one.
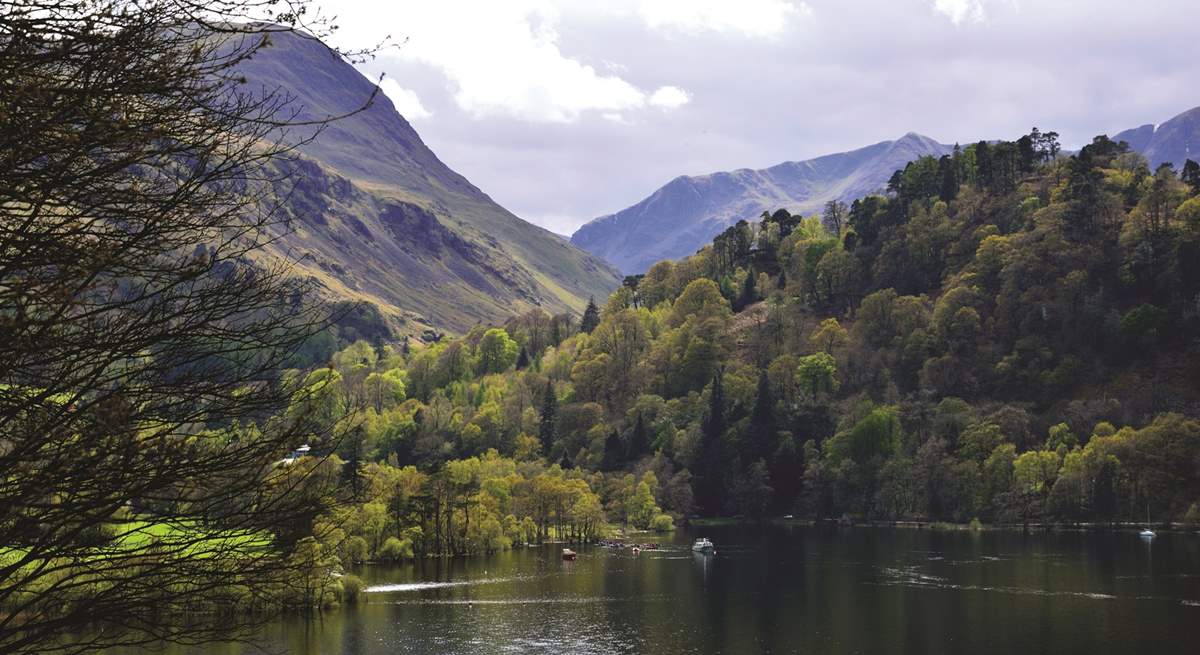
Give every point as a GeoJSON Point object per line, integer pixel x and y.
{"type": "Point", "coordinates": [549, 417]}
{"type": "Point", "coordinates": [710, 463]}
{"type": "Point", "coordinates": [1191, 175]}
{"type": "Point", "coordinates": [639, 441]}
{"type": "Point", "coordinates": [591, 317]}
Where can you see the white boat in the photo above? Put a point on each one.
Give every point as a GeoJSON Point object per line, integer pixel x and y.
{"type": "Point", "coordinates": [1147, 533]}
{"type": "Point", "coordinates": [703, 545]}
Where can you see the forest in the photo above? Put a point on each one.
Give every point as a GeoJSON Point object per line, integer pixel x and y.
{"type": "Point", "coordinates": [196, 431]}
{"type": "Point", "coordinates": [1006, 335]}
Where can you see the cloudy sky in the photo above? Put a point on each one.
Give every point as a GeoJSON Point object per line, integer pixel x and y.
{"type": "Point", "coordinates": [565, 110]}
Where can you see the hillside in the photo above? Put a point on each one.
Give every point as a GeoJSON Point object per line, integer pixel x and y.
{"type": "Point", "coordinates": [689, 211]}
{"type": "Point", "coordinates": [1005, 335]}
{"type": "Point", "coordinates": [1175, 141]}
{"type": "Point", "coordinates": [380, 218]}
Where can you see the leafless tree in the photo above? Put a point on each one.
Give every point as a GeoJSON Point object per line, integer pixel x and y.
{"type": "Point", "coordinates": [143, 330]}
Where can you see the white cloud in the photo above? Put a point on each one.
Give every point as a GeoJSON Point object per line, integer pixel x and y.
{"type": "Point", "coordinates": [755, 18]}
{"type": "Point", "coordinates": [670, 97]}
{"type": "Point", "coordinates": [405, 100]}
{"type": "Point", "coordinates": [961, 11]}
{"type": "Point", "coordinates": [504, 58]}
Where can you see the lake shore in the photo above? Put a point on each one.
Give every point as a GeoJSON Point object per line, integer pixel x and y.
{"type": "Point", "coordinates": [949, 526]}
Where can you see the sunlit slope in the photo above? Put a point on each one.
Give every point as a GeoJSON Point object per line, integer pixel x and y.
{"type": "Point", "coordinates": [379, 217]}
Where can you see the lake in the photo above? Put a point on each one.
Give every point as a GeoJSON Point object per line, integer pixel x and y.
{"type": "Point", "coordinates": [782, 589]}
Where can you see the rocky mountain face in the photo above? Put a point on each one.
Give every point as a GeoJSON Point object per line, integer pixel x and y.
{"type": "Point", "coordinates": [1174, 141]}
{"type": "Point", "coordinates": [376, 216]}
{"type": "Point", "coordinates": [681, 217]}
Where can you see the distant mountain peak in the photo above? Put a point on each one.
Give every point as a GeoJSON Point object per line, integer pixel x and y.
{"type": "Point", "coordinates": [684, 214]}
{"type": "Point", "coordinates": [1176, 140]}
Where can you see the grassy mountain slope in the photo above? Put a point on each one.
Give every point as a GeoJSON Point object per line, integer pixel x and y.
{"type": "Point", "coordinates": [382, 219]}
{"type": "Point", "coordinates": [689, 211]}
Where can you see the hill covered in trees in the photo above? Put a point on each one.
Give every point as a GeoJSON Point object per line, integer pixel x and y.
{"type": "Point", "coordinates": [1008, 334]}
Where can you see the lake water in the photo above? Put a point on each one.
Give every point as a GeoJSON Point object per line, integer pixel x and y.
{"type": "Point", "coordinates": [781, 589]}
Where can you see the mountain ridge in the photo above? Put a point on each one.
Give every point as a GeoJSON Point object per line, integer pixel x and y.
{"type": "Point", "coordinates": [690, 209]}
{"type": "Point", "coordinates": [356, 171]}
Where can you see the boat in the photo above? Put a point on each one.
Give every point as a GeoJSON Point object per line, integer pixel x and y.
{"type": "Point", "coordinates": [569, 555]}
{"type": "Point", "coordinates": [1147, 533]}
{"type": "Point", "coordinates": [703, 545]}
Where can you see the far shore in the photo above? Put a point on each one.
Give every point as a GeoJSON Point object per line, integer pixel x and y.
{"type": "Point", "coordinates": [950, 526]}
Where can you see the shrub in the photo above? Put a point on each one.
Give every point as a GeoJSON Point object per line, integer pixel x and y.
{"type": "Point", "coordinates": [352, 587]}
{"type": "Point", "coordinates": [1192, 518]}
{"type": "Point", "coordinates": [394, 550]}
{"type": "Point", "coordinates": [662, 523]}
{"type": "Point", "coordinates": [354, 551]}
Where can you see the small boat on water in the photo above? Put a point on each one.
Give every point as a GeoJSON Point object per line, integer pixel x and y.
{"type": "Point", "coordinates": [703, 545]}
{"type": "Point", "coordinates": [569, 555]}
{"type": "Point", "coordinates": [1147, 533]}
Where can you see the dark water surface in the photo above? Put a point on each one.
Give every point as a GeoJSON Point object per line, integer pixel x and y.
{"type": "Point", "coordinates": [779, 589]}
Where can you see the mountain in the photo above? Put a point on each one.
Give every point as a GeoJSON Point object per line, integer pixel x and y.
{"type": "Point", "coordinates": [376, 215]}
{"type": "Point", "coordinates": [1175, 141]}
{"type": "Point", "coordinates": [689, 211]}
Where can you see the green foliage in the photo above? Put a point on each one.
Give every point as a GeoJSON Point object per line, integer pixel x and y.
{"type": "Point", "coordinates": [496, 352]}
{"type": "Point", "coordinates": [817, 374]}
{"type": "Point", "coordinates": [899, 371]}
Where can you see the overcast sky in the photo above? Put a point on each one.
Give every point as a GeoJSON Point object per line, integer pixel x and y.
{"type": "Point", "coordinates": [567, 110]}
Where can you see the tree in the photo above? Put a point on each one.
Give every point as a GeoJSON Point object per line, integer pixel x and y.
{"type": "Point", "coordinates": [614, 452]}
{"type": "Point", "coordinates": [829, 336]}
{"type": "Point", "coordinates": [834, 217]}
{"type": "Point", "coordinates": [948, 173]}
{"type": "Point", "coordinates": [762, 440]}
{"type": "Point", "coordinates": [639, 441]}
{"type": "Point", "coordinates": [142, 349]}
{"type": "Point", "coordinates": [591, 317]}
{"type": "Point", "coordinates": [497, 352]}
{"type": "Point", "coordinates": [709, 481]}
{"type": "Point", "coordinates": [1191, 176]}
{"type": "Point", "coordinates": [817, 373]}
{"type": "Point", "coordinates": [549, 421]}
{"type": "Point", "coordinates": [749, 293]}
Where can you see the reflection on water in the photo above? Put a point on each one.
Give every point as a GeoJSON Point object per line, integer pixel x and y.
{"type": "Point", "coordinates": [779, 589]}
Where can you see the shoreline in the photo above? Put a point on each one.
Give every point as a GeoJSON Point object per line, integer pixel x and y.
{"type": "Point", "coordinates": [948, 526]}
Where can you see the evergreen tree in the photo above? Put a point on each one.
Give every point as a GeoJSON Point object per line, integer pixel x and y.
{"type": "Point", "coordinates": [710, 463]}
{"type": "Point", "coordinates": [748, 295]}
{"type": "Point", "coordinates": [984, 171]}
{"type": "Point", "coordinates": [1191, 175]}
{"type": "Point", "coordinates": [591, 317]}
{"type": "Point", "coordinates": [639, 441]}
{"type": "Point", "coordinates": [565, 462]}
{"type": "Point", "coordinates": [948, 171]}
{"type": "Point", "coordinates": [522, 359]}
{"type": "Point", "coordinates": [613, 452]}
{"type": "Point", "coordinates": [762, 438]}
{"type": "Point", "coordinates": [549, 418]}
